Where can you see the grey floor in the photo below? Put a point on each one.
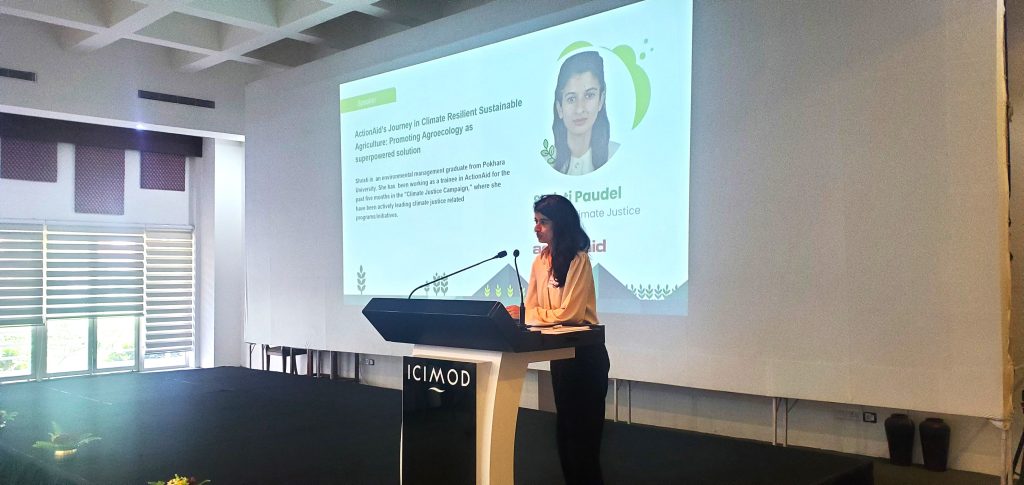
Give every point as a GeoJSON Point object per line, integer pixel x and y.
{"type": "Point", "coordinates": [886, 474]}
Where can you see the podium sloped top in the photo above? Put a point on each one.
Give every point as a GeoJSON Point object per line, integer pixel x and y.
{"type": "Point", "coordinates": [467, 324]}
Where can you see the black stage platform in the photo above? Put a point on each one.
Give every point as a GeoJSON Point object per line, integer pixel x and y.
{"type": "Point", "coordinates": [240, 426]}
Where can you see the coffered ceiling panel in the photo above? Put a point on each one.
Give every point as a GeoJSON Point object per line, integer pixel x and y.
{"type": "Point", "coordinates": [204, 33]}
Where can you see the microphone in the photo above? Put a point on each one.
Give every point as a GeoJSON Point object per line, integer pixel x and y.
{"type": "Point", "coordinates": [500, 255]}
{"type": "Point", "coordinates": [519, 279]}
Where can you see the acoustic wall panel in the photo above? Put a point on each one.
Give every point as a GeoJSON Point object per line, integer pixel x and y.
{"type": "Point", "coordinates": [161, 171]}
{"type": "Point", "coordinates": [99, 180]}
{"type": "Point", "coordinates": [28, 160]}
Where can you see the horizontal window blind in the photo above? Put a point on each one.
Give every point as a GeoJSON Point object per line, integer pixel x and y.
{"type": "Point", "coordinates": [93, 272]}
{"type": "Point", "coordinates": [21, 274]}
{"type": "Point", "coordinates": [169, 302]}
{"type": "Point", "coordinates": [51, 271]}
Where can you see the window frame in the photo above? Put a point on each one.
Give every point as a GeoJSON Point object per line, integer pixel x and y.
{"type": "Point", "coordinates": [39, 333]}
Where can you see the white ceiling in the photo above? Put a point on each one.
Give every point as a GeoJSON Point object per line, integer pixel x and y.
{"type": "Point", "coordinates": [204, 33]}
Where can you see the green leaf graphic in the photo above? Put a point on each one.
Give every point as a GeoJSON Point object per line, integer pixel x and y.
{"type": "Point", "coordinates": [361, 280]}
{"type": "Point", "coordinates": [437, 284]}
{"type": "Point", "coordinates": [579, 44]}
{"type": "Point", "coordinates": [641, 83]}
{"type": "Point", "coordinates": [548, 152]}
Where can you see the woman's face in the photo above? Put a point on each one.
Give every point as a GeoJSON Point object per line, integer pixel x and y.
{"type": "Point", "coordinates": [580, 103]}
{"type": "Point", "coordinates": [544, 228]}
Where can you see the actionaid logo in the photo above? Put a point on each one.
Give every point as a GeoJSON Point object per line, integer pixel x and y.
{"type": "Point", "coordinates": [432, 374]}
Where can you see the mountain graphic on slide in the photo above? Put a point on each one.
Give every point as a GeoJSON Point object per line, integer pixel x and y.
{"type": "Point", "coordinates": [613, 296]}
{"type": "Point", "coordinates": [639, 298]}
{"type": "Point", "coordinates": [502, 287]}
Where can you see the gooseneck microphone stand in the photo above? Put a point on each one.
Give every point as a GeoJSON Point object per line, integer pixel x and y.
{"type": "Point", "coordinates": [500, 255]}
{"type": "Point", "coordinates": [519, 279]}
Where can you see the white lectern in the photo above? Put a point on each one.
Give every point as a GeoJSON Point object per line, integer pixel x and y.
{"type": "Point", "coordinates": [462, 384]}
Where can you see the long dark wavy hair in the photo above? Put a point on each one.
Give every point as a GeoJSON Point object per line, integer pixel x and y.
{"type": "Point", "coordinates": [569, 237]}
{"type": "Point", "coordinates": [600, 134]}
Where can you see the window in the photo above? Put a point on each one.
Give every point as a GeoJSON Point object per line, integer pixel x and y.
{"type": "Point", "coordinates": [169, 304]}
{"type": "Point", "coordinates": [15, 352]}
{"type": "Point", "coordinates": [88, 299]}
{"type": "Point", "coordinates": [21, 274]}
{"type": "Point", "coordinates": [166, 360]}
{"type": "Point", "coordinates": [67, 345]}
{"type": "Point", "coordinates": [116, 342]}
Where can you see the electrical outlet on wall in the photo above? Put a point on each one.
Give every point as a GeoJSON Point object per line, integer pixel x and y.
{"type": "Point", "coordinates": [368, 361]}
{"type": "Point", "coordinates": [869, 417]}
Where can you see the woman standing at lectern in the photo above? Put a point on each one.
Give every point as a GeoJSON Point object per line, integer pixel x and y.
{"type": "Point", "coordinates": [561, 290]}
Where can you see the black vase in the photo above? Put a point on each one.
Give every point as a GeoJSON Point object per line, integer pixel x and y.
{"type": "Point", "coordinates": [899, 432]}
{"type": "Point", "coordinates": [935, 444]}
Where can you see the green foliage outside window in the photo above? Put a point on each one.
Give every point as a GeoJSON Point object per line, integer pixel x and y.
{"type": "Point", "coordinates": [15, 354]}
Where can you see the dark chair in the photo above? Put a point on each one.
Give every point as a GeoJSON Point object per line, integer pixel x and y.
{"type": "Point", "coordinates": [286, 354]}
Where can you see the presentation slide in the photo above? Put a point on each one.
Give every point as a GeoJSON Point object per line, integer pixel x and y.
{"type": "Point", "coordinates": [441, 161]}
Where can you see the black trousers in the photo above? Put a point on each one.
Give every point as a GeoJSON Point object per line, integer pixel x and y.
{"type": "Point", "coordinates": [580, 386]}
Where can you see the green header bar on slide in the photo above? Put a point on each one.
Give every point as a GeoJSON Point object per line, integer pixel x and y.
{"type": "Point", "coordinates": [369, 100]}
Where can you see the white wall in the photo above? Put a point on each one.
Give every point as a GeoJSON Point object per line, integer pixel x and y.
{"type": "Point", "coordinates": [874, 129]}
{"type": "Point", "coordinates": [848, 236]}
{"type": "Point", "coordinates": [55, 203]}
{"type": "Point", "coordinates": [230, 252]}
{"type": "Point", "coordinates": [46, 201]}
{"type": "Point", "coordinates": [204, 203]}
{"type": "Point", "coordinates": [101, 87]}
{"type": "Point", "coordinates": [218, 215]}
{"type": "Point", "coordinates": [104, 84]}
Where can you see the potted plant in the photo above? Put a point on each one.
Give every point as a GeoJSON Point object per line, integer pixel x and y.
{"type": "Point", "coordinates": [64, 445]}
{"type": "Point", "coordinates": [5, 417]}
{"type": "Point", "coordinates": [178, 480]}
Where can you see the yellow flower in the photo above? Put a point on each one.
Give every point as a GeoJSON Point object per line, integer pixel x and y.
{"type": "Point", "coordinates": [177, 480]}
